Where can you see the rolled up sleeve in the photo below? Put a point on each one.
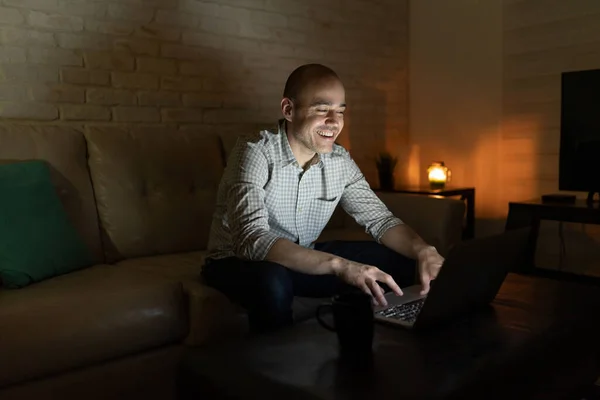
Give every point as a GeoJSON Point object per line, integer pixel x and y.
{"type": "Point", "coordinates": [247, 214]}
{"type": "Point", "coordinates": [362, 204]}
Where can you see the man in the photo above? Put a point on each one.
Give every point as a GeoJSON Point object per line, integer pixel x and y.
{"type": "Point", "coordinates": [277, 194]}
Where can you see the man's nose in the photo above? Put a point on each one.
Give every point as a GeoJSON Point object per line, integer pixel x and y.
{"type": "Point", "coordinates": [331, 117]}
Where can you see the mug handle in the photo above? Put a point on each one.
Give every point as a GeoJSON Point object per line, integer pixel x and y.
{"type": "Point", "coordinates": [321, 321]}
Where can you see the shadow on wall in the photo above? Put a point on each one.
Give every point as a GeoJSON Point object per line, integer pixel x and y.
{"type": "Point", "coordinates": [227, 99]}
{"type": "Point", "coordinates": [230, 83]}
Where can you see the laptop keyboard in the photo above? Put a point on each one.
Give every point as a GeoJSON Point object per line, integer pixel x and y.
{"type": "Point", "coordinates": [406, 312]}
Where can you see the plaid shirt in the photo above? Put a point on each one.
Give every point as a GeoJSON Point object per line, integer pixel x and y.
{"type": "Point", "coordinates": [265, 195]}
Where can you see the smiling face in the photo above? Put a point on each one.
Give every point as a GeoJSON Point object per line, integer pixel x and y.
{"type": "Point", "coordinates": [315, 117]}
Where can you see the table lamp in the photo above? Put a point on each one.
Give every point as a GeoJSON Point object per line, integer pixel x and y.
{"type": "Point", "coordinates": [438, 175]}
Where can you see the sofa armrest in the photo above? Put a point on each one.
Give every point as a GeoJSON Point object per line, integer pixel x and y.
{"type": "Point", "coordinates": [439, 221]}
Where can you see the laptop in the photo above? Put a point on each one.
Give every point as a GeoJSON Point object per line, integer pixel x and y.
{"type": "Point", "coordinates": [469, 280]}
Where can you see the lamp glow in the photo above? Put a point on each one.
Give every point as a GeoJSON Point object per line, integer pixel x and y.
{"type": "Point", "coordinates": [438, 175]}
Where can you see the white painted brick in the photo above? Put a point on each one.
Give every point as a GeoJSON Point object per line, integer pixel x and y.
{"type": "Point", "coordinates": [199, 8]}
{"type": "Point", "coordinates": [55, 22]}
{"type": "Point", "coordinates": [178, 19]}
{"type": "Point", "coordinates": [158, 32]}
{"type": "Point", "coordinates": [217, 85]}
{"type": "Point", "coordinates": [12, 55]}
{"type": "Point", "coordinates": [303, 24]}
{"type": "Point", "coordinates": [29, 111]}
{"type": "Point", "coordinates": [182, 115]}
{"type": "Point", "coordinates": [192, 68]}
{"type": "Point", "coordinates": [277, 49]}
{"type": "Point", "coordinates": [109, 60]}
{"type": "Point", "coordinates": [134, 80]}
{"type": "Point", "coordinates": [152, 3]}
{"type": "Point", "coordinates": [181, 83]}
{"type": "Point", "coordinates": [83, 8]}
{"type": "Point", "coordinates": [28, 73]}
{"type": "Point", "coordinates": [33, 4]}
{"type": "Point", "coordinates": [182, 52]}
{"type": "Point", "coordinates": [84, 113]}
{"type": "Point", "coordinates": [136, 114]}
{"type": "Point", "coordinates": [80, 76]}
{"type": "Point", "coordinates": [26, 37]}
{"type": "Point", "coordinates": [131, 13]}
{"type": "Point", "coordinates": [83, 41]}
{"type": "Point", "coordinates": [219, 26]}
{"type": "Point", "coordinates": [287, 7]}
{"type": "Point", "coordinates": [236, 102]}
{"type": "Point", "coordinates": [205, 99]}
{"type": "Point", "coordinates": [159, 99]}
{"type": "Point", "coordinates": [254, 31]}
{"type": "Point", "coordinates": [138, 46]}
{"type": "Point", "coordinates": [122, 28]}
{"type": "Point", "coordinates": [310, 53]}
{"type": "Point", "coordinates": [110, 97]}
{"type": "Point", "coordinates": [54, 56]}
{"type": "Point", "coordinates": [252, 4]}
{"type": "Point", "coordinates": [223, 116]}
{"type": "Point", "coordinates": [287, 36]}
{"type": "Point", "coordinates": [258, 62]}
{"type": "Point", "coordinates": [12, 92]}
{"type": "Point", "coordinates": [57, 94]}
{"type": "Point", "coordinates": [11, 16]}
{"type": "Point", "coordinates": [203, 39]}
{"type": "Point", "coordinates": [242, 45]}
{"type": "Point", "coordinates": [268, 18]}
{"type": "Point", "coordinates": [234, 13]}
{"type": "Point", "coordinates": [156, 65]}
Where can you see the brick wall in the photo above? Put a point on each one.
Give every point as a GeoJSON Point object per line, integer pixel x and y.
{"type": "Point", "coordinates": [207, 65]}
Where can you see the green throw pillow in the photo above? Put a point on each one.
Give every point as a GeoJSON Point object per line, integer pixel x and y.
{"type": "Point", "coordinates": [37, 240]}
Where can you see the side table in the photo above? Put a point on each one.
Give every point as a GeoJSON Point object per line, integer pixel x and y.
{"type": "Point", "coordinates": [530, 213]}
{"type": "Point", "coordinates": [466, 194]}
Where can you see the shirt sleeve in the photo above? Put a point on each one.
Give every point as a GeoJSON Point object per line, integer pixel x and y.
{"type": "Point", "coordinates": [247, 213]}
{"type": "Point", "coordinates": [362, 204]}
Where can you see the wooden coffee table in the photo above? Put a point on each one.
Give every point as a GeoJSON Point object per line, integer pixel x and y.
{"type": "Point", "coordinates": [538, 339]}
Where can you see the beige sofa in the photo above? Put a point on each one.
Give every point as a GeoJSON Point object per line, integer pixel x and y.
{"type": "Point", "coordinates": [142, 200]}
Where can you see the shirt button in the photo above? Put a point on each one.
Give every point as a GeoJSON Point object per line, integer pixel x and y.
{"type": "Point", "coordinates": [300, 209]}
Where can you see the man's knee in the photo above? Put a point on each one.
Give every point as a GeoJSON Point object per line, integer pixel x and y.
{"type": "Point", "coordinates": [274, 289]}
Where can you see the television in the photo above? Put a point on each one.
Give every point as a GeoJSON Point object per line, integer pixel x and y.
{"type": "Point", "coordinates": [579, 159]}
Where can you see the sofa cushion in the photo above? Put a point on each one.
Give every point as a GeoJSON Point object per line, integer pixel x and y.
{"type": "Point", "coordinates": [211, 315]}
{"type": "Point", "coordinates": [155, 188]}
{"type": "Point", "coordinates": [85, 317]}
{"type": "Point", "coordinates": [64, 149]}
{"type": "Point", "coordinates": [37, 240]}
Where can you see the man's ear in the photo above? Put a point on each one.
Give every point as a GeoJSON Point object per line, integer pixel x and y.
{"type": "Point", "coordinates": [287, 109]}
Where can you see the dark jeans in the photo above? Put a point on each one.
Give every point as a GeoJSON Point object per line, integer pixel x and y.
{"type": "Point", "coordinates": [266, 289]}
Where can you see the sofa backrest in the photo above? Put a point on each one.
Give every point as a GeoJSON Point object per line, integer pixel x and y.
{"type": "Point", "coordinates": [155, 188]}
{"type": "Point", "coordinates": [64, 149]}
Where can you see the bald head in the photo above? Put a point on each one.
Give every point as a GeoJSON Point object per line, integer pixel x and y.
{"type": "Point", "coordinates": [305, 76]}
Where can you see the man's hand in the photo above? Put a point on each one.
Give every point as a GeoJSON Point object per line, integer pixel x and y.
{"type": "Point", "coordinates": [430, 262]}
{"type": "Point", "coordinates": [365, 277]}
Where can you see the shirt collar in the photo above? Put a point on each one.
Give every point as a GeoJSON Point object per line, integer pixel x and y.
{"type": "Point", "coordinates": [287, 156]}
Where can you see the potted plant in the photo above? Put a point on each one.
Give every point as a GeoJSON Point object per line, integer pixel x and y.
{"type": "Point", "coordinates": [386, 163]}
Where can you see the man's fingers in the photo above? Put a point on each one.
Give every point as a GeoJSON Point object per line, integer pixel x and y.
{"type": "Point", "coordinates": [434, 271]}
{"type": "Point", "coordinates": [425, 285]}
{"type": "Point", "coordinates": [377, 291]}
{"type": "Point", "coordinates": [388, 280]}
{"type": "Point", "coordinates": [425, 278]}
{"type": "Point", "coordinates": [366, 290]}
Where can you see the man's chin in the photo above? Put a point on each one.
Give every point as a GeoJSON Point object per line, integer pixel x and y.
{"type": "Point", "coordinates": [325, 150]}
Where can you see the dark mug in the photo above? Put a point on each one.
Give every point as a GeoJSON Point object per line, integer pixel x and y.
{"type": "Point", "coordinates": [352, 321]}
